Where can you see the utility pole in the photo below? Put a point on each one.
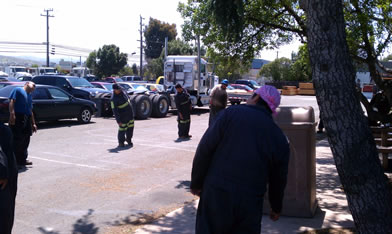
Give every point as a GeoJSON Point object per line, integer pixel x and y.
{"type": "Point", "coordinates": [141, 46]}
{"type": "Point", "coordinates": [47, 34]}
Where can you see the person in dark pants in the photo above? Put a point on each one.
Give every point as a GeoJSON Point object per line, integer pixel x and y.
{"type": "Point", "coordinates": [184, 107]}
{"type": "Point", "coordinates": [242, 152]}
{"type": "Point", "coordinates": [22, 121]}
{"type": "Point", "coordinates": [218, 100]}
{"type": "Point", "coordinates": [320, 126]}
{"type": "Point", "coordinates": [123, 112]}
{"type": "Point", "coordinates": [8, 180]}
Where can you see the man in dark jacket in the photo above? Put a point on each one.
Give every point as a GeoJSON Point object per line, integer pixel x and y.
{"type": "Point", "coordinates": [184, 107]}
{"type": "Point", "coordinates": [242, 152]}
{"type": "Point", "coordinates": [8, 180]}
{"type": "Point", "coordinates": [122, 110]}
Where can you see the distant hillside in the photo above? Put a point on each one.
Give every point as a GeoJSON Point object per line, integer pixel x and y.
{"type": "Point", "coordinates": [27, 61]}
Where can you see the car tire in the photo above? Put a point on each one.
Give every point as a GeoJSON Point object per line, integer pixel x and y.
{"type": "Point", "coordinates": [85, 115]}
{"type": "Point", "coordinates": [143, 107]}
{"type": "Point", "coordinates": [160, 106]}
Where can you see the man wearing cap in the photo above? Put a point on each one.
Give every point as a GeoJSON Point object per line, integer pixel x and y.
{"type": "Point", "coordinates": [218, 100]}
{"type": "Point", "coordinates": [242, 152]}
{"type": "Point", "coordinates": [122, 110]}
{"type": "Point", "coordinates": [21, 121]}
{"type": "Point", "coordinates": [184, 107]}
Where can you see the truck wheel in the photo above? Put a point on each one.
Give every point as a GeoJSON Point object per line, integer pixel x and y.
{"type": "Point", "coordinates": [143, 107]}
{"type": "Point", "coordinates": [160, 106]}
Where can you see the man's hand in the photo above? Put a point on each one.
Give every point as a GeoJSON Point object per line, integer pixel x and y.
{"type": "Point", "coordinates": [119, 124]}
{"type": "Point", "coordinates": [196, 192]}
{"type": "Point", "coordinates": [274, 216]}
{"type": "Point", "coordinates": [34, 128]}
{"type": "Point", "coordinates": [12, 119]}
{"type": "Point", "coordinates": [3, 183]}
{"type": "Point", "coordinates": [181, 117]}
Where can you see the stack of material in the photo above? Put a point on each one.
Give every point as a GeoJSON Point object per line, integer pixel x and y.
{"type": "Point", "coordinates": [306, 89]}
{"type": "Point", "coordinates": [289, 90]}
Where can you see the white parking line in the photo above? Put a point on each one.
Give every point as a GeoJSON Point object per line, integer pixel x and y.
{"type": "Point", "coordinates": [166, 147]}
{"type": "Point", "coordinates": [61, 155]}
{"type": "Point", "coordinates": [68, 163]}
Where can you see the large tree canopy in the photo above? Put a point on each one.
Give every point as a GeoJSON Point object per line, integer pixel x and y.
{"type": "Point", "coordinates": [155, 34]}
{"type": "Point", "coordinates": [337, 32]}
{"type": "Point", "coordinates": [107, 61]}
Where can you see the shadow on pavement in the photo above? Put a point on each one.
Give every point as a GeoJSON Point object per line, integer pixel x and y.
{"type": "Point", "coordinates": [186, 184]}
{"type": "Point", "coordinates": [118, 149]}
{"type": "Point", "coordinates": [59, 124]}
{"type": "Point", "coordinates": [82, 225]}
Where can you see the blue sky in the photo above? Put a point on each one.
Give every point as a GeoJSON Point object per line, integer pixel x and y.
{"type": "Point", "coordinates": [91, 24]}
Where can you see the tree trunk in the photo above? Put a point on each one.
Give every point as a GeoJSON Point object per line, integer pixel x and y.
{"type": "Point", "coordinates": [368, 193]}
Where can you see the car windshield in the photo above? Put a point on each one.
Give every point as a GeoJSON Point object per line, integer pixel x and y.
{"type": "Point", "coordinates": [19, 69]}
{"type": "Point", "coordinates": [50, 70]}
{"type": "Point", "coordinates": [108, 86]}
{"type": "Point", "coordinates": [254, 82]}
{"type": "Point", "coordinates": [80, 82]}
{"type": "Point", "coordinates": [230, 87]}
{"type": "Point", "coordinates": [118, 79]}
{"type": "Point", "coordinates": [126, 86]}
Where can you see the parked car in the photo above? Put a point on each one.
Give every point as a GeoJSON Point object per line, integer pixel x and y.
{"type": "Point", "coordinates": [242, 87]}
{"type": "Point", "coordinates": [113, 79]}
{"type": "Point", "coordinates": [51, 103]}
{"type": "Point", "coordinates": [79, 88]}
{"type": "Point", "coordinates": [7, 83]}
{"type": "Point", "coordinates": [251, 83]}
{"type": "Point", "coordinates": [103, 85]}
{"type": "Point", "coordinates": [132, 88]}
{"type": "Point", "coordinates": [131, 78]}
{"type": "Point", "coordinates": [236, 96]}
{"type": "Point", "coordinates": [155, 88]}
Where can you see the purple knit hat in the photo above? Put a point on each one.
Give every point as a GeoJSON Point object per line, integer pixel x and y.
{"type": "Point", "coordinates": [270, 95]}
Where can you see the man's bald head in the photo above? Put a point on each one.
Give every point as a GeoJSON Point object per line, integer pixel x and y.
{"type": "Point", "coordinates": [29, 86]}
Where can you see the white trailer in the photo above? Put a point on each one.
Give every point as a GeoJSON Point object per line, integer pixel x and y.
{"type": "Point", "coordinates": [184, 70]}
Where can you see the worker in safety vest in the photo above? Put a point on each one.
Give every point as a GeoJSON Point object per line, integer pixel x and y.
{"type": "Point", "coordinates": [184, 107]}
{"type": "Point", "coordinates": [122, 110]}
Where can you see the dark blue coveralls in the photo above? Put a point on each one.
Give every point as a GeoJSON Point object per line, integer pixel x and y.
{"type": "Point", "coordinates": [8, 170]}
{"type": "Point", "coordinates": [184, 106]}
{"type": "Point", "coordinates": [239, 154]}
{"type": "Point", "coordinates": [123, 112]}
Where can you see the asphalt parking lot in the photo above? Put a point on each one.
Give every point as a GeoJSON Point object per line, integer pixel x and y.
{"type": "Point", "coordinates": [81, 182]}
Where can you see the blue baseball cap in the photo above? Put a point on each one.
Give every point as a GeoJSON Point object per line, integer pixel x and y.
{"type": "Point", "coordinates": [225, 82]}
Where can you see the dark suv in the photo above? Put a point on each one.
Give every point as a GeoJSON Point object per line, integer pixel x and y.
{"type": "Point", "coordinates": [80, 88]}
{"type": "Point", "coordinates": [251, 83]}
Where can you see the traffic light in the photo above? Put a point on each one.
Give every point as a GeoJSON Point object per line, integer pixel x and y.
{"type": "Point", "coordinates": [53, 51]}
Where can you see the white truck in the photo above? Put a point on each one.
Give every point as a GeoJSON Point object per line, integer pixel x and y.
{"type": "Point", "coordinates": [35, 71]}
{"type": "Point", "coordinates": [16, 71]}
{"type": "Point", "coordinates": [184, 70]}
{"type": "Point", "coordinates": [80, 71]}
